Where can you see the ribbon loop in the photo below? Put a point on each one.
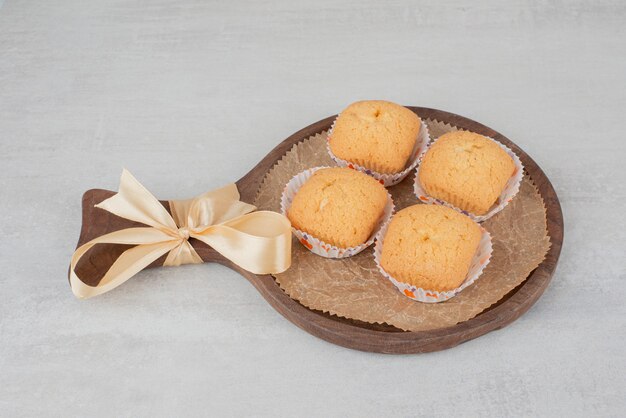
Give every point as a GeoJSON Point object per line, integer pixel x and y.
{"type": "Point", "coordinates": [259, 242]}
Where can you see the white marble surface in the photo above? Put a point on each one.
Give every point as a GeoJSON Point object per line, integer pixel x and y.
{"type": "Point", "coordinates": [189, 95]}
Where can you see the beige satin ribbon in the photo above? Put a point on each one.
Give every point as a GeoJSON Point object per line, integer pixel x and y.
{"type": "Point", "coordinates": [259, 242]}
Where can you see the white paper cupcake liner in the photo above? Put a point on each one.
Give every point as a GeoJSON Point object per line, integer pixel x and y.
{"type": "Point", "coordinates": [479, 262]}
{"type": "Point", "coordinates": [316, 245]}
{"type": "Point", "coordinates": [421, 144]}
{"type": "Point", "coordinates": [508, 193]}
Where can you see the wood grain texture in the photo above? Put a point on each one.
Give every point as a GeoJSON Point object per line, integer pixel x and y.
{"type": "Point", "coordinates": [349, 333]}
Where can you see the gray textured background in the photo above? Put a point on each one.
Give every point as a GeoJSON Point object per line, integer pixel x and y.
{"type": "Point", "coordinates": [189, 95]}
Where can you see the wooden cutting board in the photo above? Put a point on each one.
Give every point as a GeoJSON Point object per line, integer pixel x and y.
{"type": "Point", "coordinates": [346, 332]}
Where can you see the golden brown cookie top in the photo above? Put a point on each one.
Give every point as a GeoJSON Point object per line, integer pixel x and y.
{"type": "Point", "coordinates": [375, 134]}
{"type": "Point", "coordinates": [430, 246]}
{"type": "Point", "coordinates": [466, 169]}
{"type": "Point", "coordinates": [340, 206]}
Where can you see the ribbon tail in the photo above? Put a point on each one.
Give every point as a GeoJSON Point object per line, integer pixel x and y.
{"type": "Point", "coordinates": [259, 242]}
{"type": "Point", "coordinates": [133, 201]}
{"type": "Point", "coordinates": [151, 244]}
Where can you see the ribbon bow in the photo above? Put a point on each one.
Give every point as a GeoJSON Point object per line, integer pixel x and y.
{"type": "Point", "coordinates": [259, 242]}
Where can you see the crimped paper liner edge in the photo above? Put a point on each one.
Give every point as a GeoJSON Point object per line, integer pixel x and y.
{"type": "Point", "coordinates": [316, 245]}
{"type": "Point", "coordinates": [509, 192]}
{"type": "Point", "coordinates": [391, 179]}
{"type": "Point", "coordinates": [485, 249]}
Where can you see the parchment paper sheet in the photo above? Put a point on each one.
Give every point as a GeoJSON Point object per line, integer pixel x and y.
{"type": "Point", "coordinates": [354, 288]}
